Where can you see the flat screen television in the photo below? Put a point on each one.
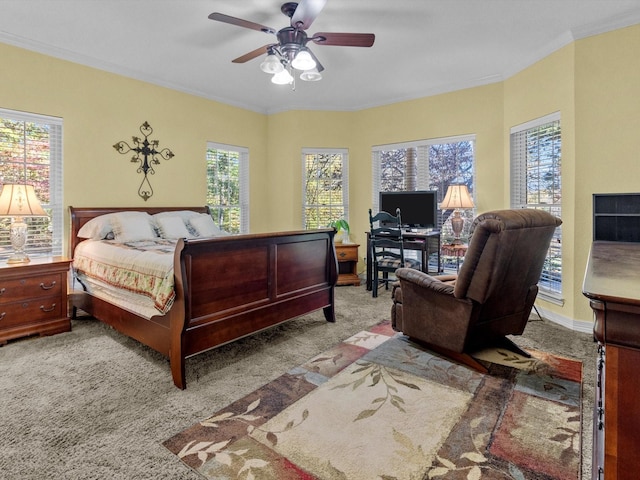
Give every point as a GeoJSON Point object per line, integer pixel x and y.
{"type": "Point", "coordinates": [419, 209]}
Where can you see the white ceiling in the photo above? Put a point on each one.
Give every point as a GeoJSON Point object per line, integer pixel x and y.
{"type": "Point", "coordinates": [422, 47]}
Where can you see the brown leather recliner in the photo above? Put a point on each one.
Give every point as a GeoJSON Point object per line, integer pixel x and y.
{"type": "Point", "coordinates": [493, 294]}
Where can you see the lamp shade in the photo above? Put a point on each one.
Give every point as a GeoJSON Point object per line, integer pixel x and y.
{"type": "Point", "coordinates": [303, 61]}
{"type": "Point", "coordinates": [271, 64]}
{"type": "Point", "coordinates": [312, 75]}
{"type": "Point", "coordinates": [20, 201]}
{"type": "Point", "coordinates": [457, 196]}
{"type": "Point", "coordinates": [282, 78]}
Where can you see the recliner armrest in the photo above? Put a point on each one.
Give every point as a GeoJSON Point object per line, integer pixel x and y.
{"type": "Point", "coordinates": [421, 279]}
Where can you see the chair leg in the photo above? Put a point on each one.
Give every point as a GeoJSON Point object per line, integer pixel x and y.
{"type": "Point", "coordinates": [374, 283]}
{"type": "Point", "coordinates": [507, 344]}
{"type": "Point", "coordinates": [463, 358]}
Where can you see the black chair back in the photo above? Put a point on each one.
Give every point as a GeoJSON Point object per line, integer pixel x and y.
{"type": "Point", "coordinates": [386, 247]}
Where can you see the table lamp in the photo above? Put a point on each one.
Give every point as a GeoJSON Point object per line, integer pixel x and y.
{"type": "Point", "coordinates": [19, 201]}
{"type": "Point", "coordinates": [456, 198]}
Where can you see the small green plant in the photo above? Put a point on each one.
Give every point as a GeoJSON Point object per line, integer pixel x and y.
{"type": "Point", "coordinates": [340, 224]}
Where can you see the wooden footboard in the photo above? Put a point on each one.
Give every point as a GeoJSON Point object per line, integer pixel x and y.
{"type": "Point", "coordinates": [231, 287]}
{"type": "Point", "coordinates": [226, 288]}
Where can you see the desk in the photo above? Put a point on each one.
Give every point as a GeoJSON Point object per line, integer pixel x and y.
{"type": "Point", "coordinates": [455, 250]}
{"type": "Point", "coordinates": [612, 285]}
{"type": "Point", "coordinates": [427, 243]}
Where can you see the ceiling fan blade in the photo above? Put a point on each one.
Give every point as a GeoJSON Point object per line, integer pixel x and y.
{"type": "Point", "coordinates": [344, 39]}
{"type": "Point", "coordinates": [253, 54]}
{"type": "Point", "coordinates": [221, 17]}
{"type": "Point", "coordinates": [306, 12]}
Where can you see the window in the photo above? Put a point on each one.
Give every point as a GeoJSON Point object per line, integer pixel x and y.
{"type": "Point", "coordinates": [31, 153]}
{"type": "Point", "coordinates": [228, 186]}
{"type": "Point", "coordinates": [426, 165]}
{"type": "Point", "coordinates": [536, 183]}
{"type": "Point", "coordinates": [325, 187]}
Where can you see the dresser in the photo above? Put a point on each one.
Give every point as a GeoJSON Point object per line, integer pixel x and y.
{"type": "Point", "coordinates": [33, 298]}
{"type": "Point", "coordinates": [612, 284]}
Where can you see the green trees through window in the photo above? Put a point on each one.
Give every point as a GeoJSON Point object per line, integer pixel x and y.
{"type": "Point", "coordinates": [325, 187]}
{"type": "Point", "coordinates": [227, 187]}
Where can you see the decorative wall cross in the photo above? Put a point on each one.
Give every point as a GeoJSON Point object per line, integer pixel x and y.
{"type": "Point", "coordinates": [146, 154]}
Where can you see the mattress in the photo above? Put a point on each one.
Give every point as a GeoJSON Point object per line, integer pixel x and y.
{"type": "Point", "coordinates": [136, 275]}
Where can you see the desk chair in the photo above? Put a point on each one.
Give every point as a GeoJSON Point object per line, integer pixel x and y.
{"type": "Point", "coordinates": [386, 248]}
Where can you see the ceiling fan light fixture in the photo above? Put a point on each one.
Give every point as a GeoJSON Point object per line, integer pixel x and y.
{"type": "Point", "coordinates": [303, 61]}
{"type": "Point", "coordinates": [271, 64]}
{"type": "Point", "coordinates": [282, 78]}
{"type": "Point", "coordinates": [312, 75]}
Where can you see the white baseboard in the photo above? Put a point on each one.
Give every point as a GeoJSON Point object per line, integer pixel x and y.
{"type": "Point", "coordinates": [577, 325]}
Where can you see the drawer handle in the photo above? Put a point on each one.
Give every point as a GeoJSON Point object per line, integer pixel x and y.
{"type": "Point", "coordinates": [2, 315]}
{"type": "Point", "coordinates": [2, 291]}
{"type": "Point", "coordinates": [53, 307]}
{"type": "Point", "coordinates": [342, 254]}
{"type": "Point", "coordinates": [47, 287]}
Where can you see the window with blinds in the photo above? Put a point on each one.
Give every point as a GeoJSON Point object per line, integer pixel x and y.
{"type": "Point", "coordinates": [325, 186]}
{"type": "Point", "coordinates": [31, 154]}
{"type": "Point", "coordinates": [536, 160]}
{"type": "Point", "coordinates": [424, 165]}
{"type": "Point", "coordinates": [228, 186]}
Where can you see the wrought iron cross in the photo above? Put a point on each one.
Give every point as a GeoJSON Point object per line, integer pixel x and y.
{"type": "Point", "coordinates": [146, 154]}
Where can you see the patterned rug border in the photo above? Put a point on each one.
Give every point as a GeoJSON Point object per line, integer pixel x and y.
{"type": "Point", "coordinates": [225, 446]}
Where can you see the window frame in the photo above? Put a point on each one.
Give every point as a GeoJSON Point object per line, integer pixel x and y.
{"type": "Point", "coordinates": [345, 181]}
{"type": "Point", "coordinates": [423, 180]}
{"type": "Point", "coordinates": [519, 192]}
{"type": "Point", "coordinates": [243, 178]}
{"type": "Point", "coordinates": [56, 193]}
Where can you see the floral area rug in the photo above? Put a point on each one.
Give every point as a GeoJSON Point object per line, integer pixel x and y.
{"type": "Point", "coordinates": [378, 406]}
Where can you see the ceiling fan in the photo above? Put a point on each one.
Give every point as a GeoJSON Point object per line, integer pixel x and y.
{"type": "Point", "coordinates": [290, 51]}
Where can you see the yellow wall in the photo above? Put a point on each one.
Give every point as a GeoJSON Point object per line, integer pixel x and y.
{"type": "Point", "coordinates": [607, 99]}
{"type": "Point", "coordinates": [100, 109]}
{"type": "Point", "coordinates": [594, 83]}
{"type": "Point", "coordinates": [289, 133]}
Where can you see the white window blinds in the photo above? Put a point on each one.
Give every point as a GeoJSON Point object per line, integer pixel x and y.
{"type": "Point", "coordinates": [228, 186]}
{"type": "Point", "coordinates": [31, 153]}
{"type": "Point", "coordinates": [325, 186]}
{"type": "Point", "coordinates": [536, 182]}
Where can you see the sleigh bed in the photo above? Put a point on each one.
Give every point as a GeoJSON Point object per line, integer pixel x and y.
{"type": "Point", "coordinates": [223, 287]}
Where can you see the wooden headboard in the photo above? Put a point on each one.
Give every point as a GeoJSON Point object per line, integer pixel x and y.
{"type": "Point", "coordinates": [80, 216]}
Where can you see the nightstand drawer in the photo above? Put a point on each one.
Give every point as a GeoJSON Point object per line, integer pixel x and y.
{"type": "Point", "coordinates": [34, 287]}
{"type": "Point", "coordinates": [347, 254]}
{"type": "Point", "coordinates": [29, 311]}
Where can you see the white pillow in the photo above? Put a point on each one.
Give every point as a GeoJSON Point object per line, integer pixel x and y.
{"type": "Point", "coordinates": [183, 214]}
{"type": "Point", "coordinates": [172, 227]}
{"type": "Point", "coordinates": [205, 227]}
{"type": "Point", "coordinates": [97, 228]}
{"type": "Point", "coordinates": [132, 227]}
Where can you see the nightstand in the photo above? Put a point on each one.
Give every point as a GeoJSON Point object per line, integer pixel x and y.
{"type": "Point", "coordinates": [33, 298]}
{"type": "Point", "coordinates": [347, 254]}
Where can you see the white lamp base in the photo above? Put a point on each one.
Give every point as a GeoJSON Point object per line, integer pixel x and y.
{"type": "Point", "coordinates": [18, 237]}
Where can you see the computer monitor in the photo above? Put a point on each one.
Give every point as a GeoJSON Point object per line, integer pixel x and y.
{"type": "Point", "coordinates": [419, 209]}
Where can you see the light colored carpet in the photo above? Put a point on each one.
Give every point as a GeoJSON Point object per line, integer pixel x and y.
{"type": "Point", "coordinates": [93, 404]}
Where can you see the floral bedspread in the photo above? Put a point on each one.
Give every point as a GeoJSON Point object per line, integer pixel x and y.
{"type": "Point", "coordinates": [143, 267]}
